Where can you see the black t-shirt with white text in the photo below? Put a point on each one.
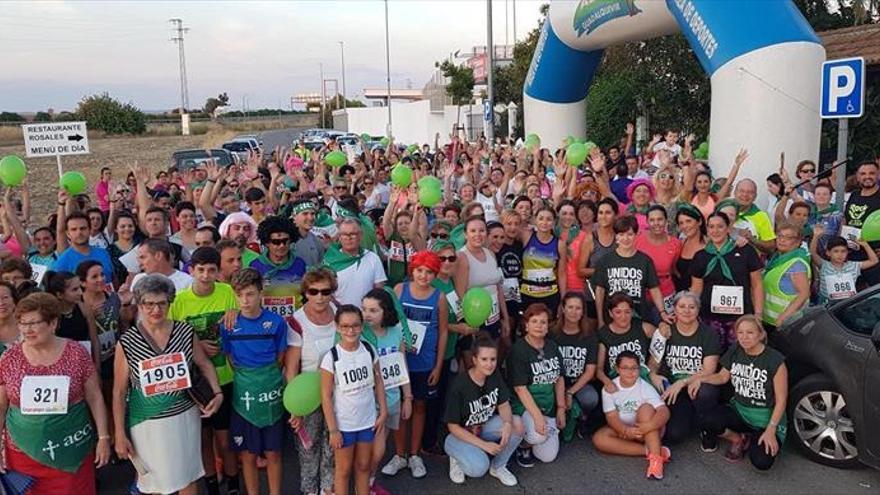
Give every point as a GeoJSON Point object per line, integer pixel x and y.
{"type": "Point", "coordinates": [857, 209]}
{"type": "Point", "coordinates": [577, 352]}
{"type": "Point", "coordinates": [752, 376]}
{"type": "Point", "coordinates": [742, 262]}
{"type": "Point", "coordinates": [633, 340]}
{"type": "Point", "coordinates": [469, 404]}
{"type": "Point", "coordinates": [634, 275]}
{"type": "Point", "coordinates": [684, 355]}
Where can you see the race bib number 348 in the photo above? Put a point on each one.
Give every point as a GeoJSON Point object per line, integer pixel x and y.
{"type": "Point", "coordinates": [164, 374]}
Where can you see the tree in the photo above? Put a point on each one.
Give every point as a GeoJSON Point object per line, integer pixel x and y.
{"type": "Point", "coordinates": [333, 103]}
{"type": "Point", "coordinates": [461, 84]}
{"type": "Point", "coordinates": [43, 117]}
{"type": "Point", "coordinates": [212, 104]}
{"type": "Point", "coordinates": [11, 117]}
{"type": "Point", "coordinates": [65, 117]}
{"type": "Point", "coordinates": [111, 116]}
{"type": "Point", "coordinates": [510, 79]}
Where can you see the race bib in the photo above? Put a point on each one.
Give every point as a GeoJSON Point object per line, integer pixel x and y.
{"type": "Point", "coordinates": [393, 368]}
{"type": "Point", "coordinates": [281, 306]}
{"type": "Point", "coordinates": [164, 374]}
{"type": "Point", "coordinates": [539, 275]}
{"type": "Point", "coordinates": [418, 330]}
{"type": "Point", "coordinates": [352, 377]}
{"type": "Point", "coordinates": [852, 235]}
{"type": "Point", "coordinates": [727, 300]}
{"type": "Point", "coordinates": [44, 394]}
{"type": "Point", "coordinates": [840, 286]}
{"type": "Point", "coordinates": [511, 289]}
{"type": "Point", "coordinates": [454, 305]}
{"type": "Point", "coordinates": [396, 251]}
{"type": "Point", "coordinates": [495, 315]}
{"type": "Point", "coordinates": [658, 346]}
{"type": "Point", "coordinates": [668, 303]}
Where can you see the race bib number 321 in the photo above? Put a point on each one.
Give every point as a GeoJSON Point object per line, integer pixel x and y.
{"type": "Point", "coordinates": [44, 394]}
{"type": "Point", "coordinates": [164, 374]}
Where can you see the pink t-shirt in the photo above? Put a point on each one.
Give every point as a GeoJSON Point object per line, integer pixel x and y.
{"type": "Point", "coordinates": [102, 191]}
{"type": "Point", "coordinates": [74, 362]}
{"type": "Point", "coordinates": [664, 257]}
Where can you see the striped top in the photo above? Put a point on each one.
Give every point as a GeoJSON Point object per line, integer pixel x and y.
{"type": "Point", "coordinates": [137, 349]}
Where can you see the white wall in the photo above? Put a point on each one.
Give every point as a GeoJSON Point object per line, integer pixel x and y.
{"type": "Point", "coordinates": [411, 122]}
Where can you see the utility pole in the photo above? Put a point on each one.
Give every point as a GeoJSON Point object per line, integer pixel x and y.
{"type": "Point", "coordinates": [388, 67]}
{"type": "Point", "coordinates": [344, 102]}
{"type": "Point", "coordinates": [323, 94]}
{"type": "Point", "coordinates": [184, 91]}
{"type": "Point", "coordinates": [490, 62]}
{"type": "Point", "coordinates": [513, 5]}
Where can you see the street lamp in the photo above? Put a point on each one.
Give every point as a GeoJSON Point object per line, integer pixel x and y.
{"type": "Point", "coordinates": [388, 67]}
{"type": "Point", "coordinates": [344, 102]}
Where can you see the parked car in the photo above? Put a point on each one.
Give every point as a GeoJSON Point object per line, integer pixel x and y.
{"type": "Point", "coordinates": [242, 147]}
{"type": "Point", "coordinates": [255, 137]}
{"type": "Point", "coordinates": [188, 159]}
{"type": "Point", "coordinates": [833, 356]}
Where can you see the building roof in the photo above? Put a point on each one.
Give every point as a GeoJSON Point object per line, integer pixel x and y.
{"type": "Point", "coordinates": [856, 41]}
{"type": "Point", "coordinates": [396, 94]}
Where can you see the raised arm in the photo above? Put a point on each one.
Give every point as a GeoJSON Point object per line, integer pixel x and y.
{"type": "Point", "coordinates": [741, 158]}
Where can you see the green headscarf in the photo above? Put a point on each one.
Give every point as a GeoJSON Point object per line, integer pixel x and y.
{"type": "Point", "coordinates": [337, 260]}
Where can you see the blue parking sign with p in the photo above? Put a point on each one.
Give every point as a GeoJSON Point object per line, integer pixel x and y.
{"type": "Point", "coordinates": [843, 88]}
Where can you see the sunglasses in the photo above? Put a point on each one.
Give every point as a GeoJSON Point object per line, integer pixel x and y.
{"type": "Point", "coordinates": [665, 176]}
{"type": "Point", "coordinates": [279, 242]}
{"type": "Point", "coordinates": [808, 170]}
{"type": "Point", "coordinates": [368, 183]}
{"type": "Point", "coordinates": [439, 235]}
{"type": "Point", "coordinates": [323, 292]}
{"type": "Point", "coordinates": [450, 259]}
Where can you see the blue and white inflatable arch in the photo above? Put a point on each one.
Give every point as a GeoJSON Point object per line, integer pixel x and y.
{"type": "Point", "coordinates": [762, 57]}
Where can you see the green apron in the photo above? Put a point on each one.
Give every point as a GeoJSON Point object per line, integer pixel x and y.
{"type": "Point", "coordinates": [257, 394]}
{"type": "Point", "coordinates": [544, 395]}
{"type": "Point", "coordinates": [142, 408]}
{"type": "Point", "coordinates": [759, 418]}
{"type": "Point", "coordinates": [60, 441]}
{"type": "Point", "coordinates": [224, 371]}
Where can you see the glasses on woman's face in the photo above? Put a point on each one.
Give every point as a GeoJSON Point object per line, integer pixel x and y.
{"type": "Point", "coordinates": [628, 368]}
{"type": "Point", "coordinates": [29, 324]}
{"type": "Point", "coordinates": [808, 170]}
{"type": "Point", "coordinates": [449, 259]}
{"type": "Point", "coordinates": [279, 242]}
{"type": "Point", "coordinates": [349, 328]}
{"type": "Point", "coordinates": [665, 175]}
{"type": "Point", "coordinates": [152, 305]}
{"type": "Point", "coordinates": [323, 292]}
{"type": "Point", "coordinates": [439, 235]}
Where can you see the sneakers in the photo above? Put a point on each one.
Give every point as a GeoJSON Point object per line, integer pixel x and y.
{"type": "Point", "coordinates": [708, 442]}
{"type": "Point", "coordinates": [456, 474]}
{"type": "Point", "coordinates": [665, 453]}
{"type": "Point", "coordinates": [524, 457]}
{"type": "Point", "coordinates": [737, 450]}
{"type": "Point", "coordinates": [655, 467]}
{"type": "Point", "coordinates": [394, 465]}
{"type": "Point", "coordinates": [503, 475]}
{"type": "Point", "coordinates": [417, 467]}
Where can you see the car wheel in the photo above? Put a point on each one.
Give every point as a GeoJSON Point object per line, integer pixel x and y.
{"type": "Point", "coordinates": [823, 427]}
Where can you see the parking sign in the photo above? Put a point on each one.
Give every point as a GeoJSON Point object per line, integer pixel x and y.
{"type": "Point", "coordinates": [843, 88]}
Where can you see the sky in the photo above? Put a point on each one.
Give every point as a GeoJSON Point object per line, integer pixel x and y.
{"type": "Point", "coordinates": [56, 52]}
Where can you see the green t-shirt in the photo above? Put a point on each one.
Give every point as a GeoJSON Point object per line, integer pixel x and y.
{"type": "Point", "coordinates": [204, 312]}
{"type": "Point", "coordinates": [760, 220]}
{"type": "Point", "coordinates": [469, 404]}
{"type": "Point", "coordinates": [684, 355]}
{"type": "Point", "coordinates": [536, 369]}
{"type": "Point", "coordinates": [752, 376]}
{"type": "Point", "coordinates": [633, 340]}
{"type": "Point", "coordinates": [247, 256]}
{"type": "Point", "coordinates": [577, 352]}
{"type": "Point", "coordinates": [451, 337]}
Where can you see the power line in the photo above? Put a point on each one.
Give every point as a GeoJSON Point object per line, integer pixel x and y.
{"type": "Point", "coordinates": [184, 91]}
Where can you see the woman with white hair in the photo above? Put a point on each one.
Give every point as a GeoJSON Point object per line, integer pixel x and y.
{"type": "Point", "coordinates": [157, 424]}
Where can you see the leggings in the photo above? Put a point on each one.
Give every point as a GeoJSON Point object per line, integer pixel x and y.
{"type": "Point", "coordinates": [545, 447]}
{"type": "Point", "coordinates": [724, 417]}
{"type": "Point", "coordinates": [588, 399]}
{"type": "Point", "coordinates": [686, 414]}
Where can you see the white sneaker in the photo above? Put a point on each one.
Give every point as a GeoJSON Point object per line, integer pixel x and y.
{"type": "Point", "coordinates": [417, 467]}
{"type": "Point", "coordinates": [456, 474]}
{"type": "Point", "coordinates": [504, 476]}
{"type": "Point", "coordinates": [394, 465]}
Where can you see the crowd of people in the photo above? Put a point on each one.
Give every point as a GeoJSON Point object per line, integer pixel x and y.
{"type": "Point", "coordinates": [157, 320]}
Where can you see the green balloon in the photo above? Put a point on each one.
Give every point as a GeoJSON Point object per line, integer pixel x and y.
{"type": "Point", "coordinates": [430, 181]}
{"type": "Point", "coordinates": [532, 142]}
{"type": "Point", "coordinates": [366, 137]}
{"type": "Point", "coordinates": [533, 137]}
{"type": "Point", "coordinates": [412, 148]}
{"type": "Point", "coordinates": [302, 396]}
{"type": "Point", "coordinates": [589, 145]}
{"type": "Point", "coordinates": [569, 140]}
{"type": "Point", "coordinates": [12, 170]}
{"type": "Point", "coordinates": [429, 196]}
{"type": "Point", "coordinates": [336, 159]}
{"type": "Point", "coordinates": [477, 306]}
{"type": "Point", "coordinates": [702, 152]}
{"type": "Point", "coordinates": [384, 141]}
{"type": "Point", "coordinates": [401, 176]}
{"type": "Point", "coordinates": [73, 182]}
{"type": "Point", "coordinates": [871, 227]}
{"type": "Point", "coordinates": [575, 154]}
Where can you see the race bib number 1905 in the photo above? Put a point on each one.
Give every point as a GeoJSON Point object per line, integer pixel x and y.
{"type": "Point", "coordinates": [164, 374]}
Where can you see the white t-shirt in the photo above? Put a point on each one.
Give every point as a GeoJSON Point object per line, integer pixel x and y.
{"type": "Point", "coordinates": [315, 340]}
{"type": "Point", "coordinates": [626, 401]}
{"type": "Point", "coordinates": [354, 398]}
{"type": "Point", "coordinates": [360, 278]}
{"type": "Point", "coordinates": [673, 150]}
{"type": "Point", "coordinates": [181, 280]}
{"type": "Point", "coordinates": [488, 205]}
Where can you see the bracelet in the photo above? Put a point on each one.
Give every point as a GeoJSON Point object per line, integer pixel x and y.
{"type": "Point", "coordinates": [103, 437]}
{"type": "Point", "coordinates": [60, 203]}
{"type": "Point", "coordinates": [332, 432]}
{"type": "Point", "coordinates": [219, 392]}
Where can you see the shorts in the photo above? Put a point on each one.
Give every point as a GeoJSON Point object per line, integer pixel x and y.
{"type": "Point", "coordinates": [350, 438]}
{"type": "Point", "coordinates": [220, 420]}
{"type": "Point", "coordinates": [244, 436]}
{"type": "Point", "coordinates": [418, 383]}
{"type": "Point", "coordinates": [106, 370]}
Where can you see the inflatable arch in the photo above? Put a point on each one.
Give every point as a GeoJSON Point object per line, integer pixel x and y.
{"type": "Point", "coordinates": [762, 57]}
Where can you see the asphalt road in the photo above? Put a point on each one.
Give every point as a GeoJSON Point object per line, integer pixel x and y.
{"type": "Point", "coordinates": [279, 137]}
{"type": "Point", "coordinates": [580, 469]}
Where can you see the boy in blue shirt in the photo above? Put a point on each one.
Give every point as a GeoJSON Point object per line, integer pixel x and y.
{"type": "Point", "coordinates": [255, 346]}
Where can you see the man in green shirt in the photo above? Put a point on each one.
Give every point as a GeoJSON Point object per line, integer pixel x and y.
{"type": "Point", "coordinates": [203, 306]}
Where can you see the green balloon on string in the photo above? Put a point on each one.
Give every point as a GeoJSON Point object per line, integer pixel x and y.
{"type": "Point", "coordinates": [336, 159]}
{"type": "Point", "coordinates": [871, 227]}
{"type": "Point", "coordinates": [12, 170]}
{"type": "Point", "coordinates": [575, 154]}
{"type": "Point", "coordinates": [73, 182]}
{"type": "Point", "coordinates": [401, 176]}
{"type": "Point", "coordinates": [302, 396]}
{"type": "Point", "coordinates": [476, 306]}
{"type": "Point", "coordinates": [430, 181]}
{"type": "Point", "coordinates": [429, 196]}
